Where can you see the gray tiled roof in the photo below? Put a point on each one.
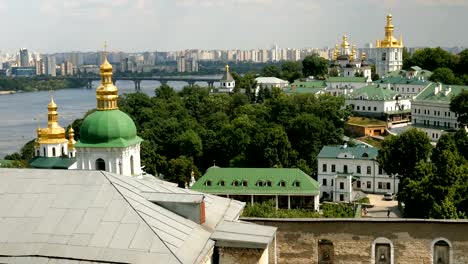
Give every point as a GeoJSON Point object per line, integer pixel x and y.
{"type": "Point", "coordinates": [86, 216]}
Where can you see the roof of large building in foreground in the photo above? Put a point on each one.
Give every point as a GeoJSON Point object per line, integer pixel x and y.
{"type": "Point", "coordinates": [441, 93]}
{"type": "Point", "coordinates": [346, 152]}
{"type": "Point", "coordinates": [246, 181]}
{"type": "Point", "coordinates": [374, 93]}
{"type": "Point", "coordinates": [91, 216]}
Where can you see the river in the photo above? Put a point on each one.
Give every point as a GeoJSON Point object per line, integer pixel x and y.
{"type": "Point", "coordinates": [22, 113]}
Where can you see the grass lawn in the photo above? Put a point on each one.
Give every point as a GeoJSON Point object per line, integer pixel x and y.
{"type": "Point", "coordinates": [365, 121]}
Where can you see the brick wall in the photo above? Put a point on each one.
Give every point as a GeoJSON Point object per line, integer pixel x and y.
{"type": "Point", "coordinates": [412, 240]}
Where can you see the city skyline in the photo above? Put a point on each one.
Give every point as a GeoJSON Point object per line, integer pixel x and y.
{"type": "Point", "coordinates": [133, 26]}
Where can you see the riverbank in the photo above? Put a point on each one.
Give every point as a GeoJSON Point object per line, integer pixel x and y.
{"type": "Point", "coordinates": [7, 92]}
{"type": "Point", "coordinates": [31, 84]}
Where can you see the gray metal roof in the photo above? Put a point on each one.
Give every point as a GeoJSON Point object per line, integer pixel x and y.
{"type": "Point", "coordinates": [71, 216]}
{"type": "Point", "coordinates": [243, 234]}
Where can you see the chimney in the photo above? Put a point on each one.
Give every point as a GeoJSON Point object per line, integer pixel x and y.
{"type": "Point", "coordinates": [447, 91]}
{"type": "Point", "coordinates": [438, 89]}
{"type": "Point", "coordinates": [190, 206]}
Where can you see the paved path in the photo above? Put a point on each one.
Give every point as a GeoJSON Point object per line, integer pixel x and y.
{"type": "Point", "coordinates": [381, 207]}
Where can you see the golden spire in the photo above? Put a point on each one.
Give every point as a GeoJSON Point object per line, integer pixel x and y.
{"type": "Point", "coordinates": [226, 68]}
{"type": "Point", "coordinates": [106, 94]}
{"type": "Point", "coordinates": [71, 139]}
{"type": "Point", "coordinates": [345, 43]}
{"type": "Point", "coordinates": [336, 52]}
{"type": "Point", "coordinates": [53, 133]}
{"type": "Point", "coordinates": [389, 40]}
{"type": "Point", "coordinates": [363, 56]}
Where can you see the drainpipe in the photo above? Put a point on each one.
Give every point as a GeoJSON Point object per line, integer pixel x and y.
{"type": "Point", "coordinates": [373, 163]}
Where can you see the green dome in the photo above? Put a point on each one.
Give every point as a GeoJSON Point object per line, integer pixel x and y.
{"type": "Point", "coordinates": [111, 128]}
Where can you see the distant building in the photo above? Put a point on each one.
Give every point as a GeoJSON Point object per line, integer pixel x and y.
{"type": "Point", "coordinates": [50, 66]}
{"type": "Point", "coordinates": [407, 87]}
{"type": "Point", "coordinates": [389, 51]}
{"type": "Point", "coordinates": [431, 110]}
{"type": "Point", "coordinates": [271, 82]}
{"type": "Point", "coordinates": [24, 58]}
{"type": "Point", "coordinates": [52, 150]}
{"type": "Point", "coordinates": [227, 83]}
{"type": "Point", "coordinates": [181, 64]}
{"type": "Point", "coordinates": [23, 71]}
{"type": "Point", "coordinates": [345, 85]}
{"type": "Point", "coordinates": [347, 62]}
{"type": "Point", "coordinates": [345, 171]}
{"type": "Point", "coordinates": [287, 188]}
{"type": "Point", "coordinates": [66, 68]}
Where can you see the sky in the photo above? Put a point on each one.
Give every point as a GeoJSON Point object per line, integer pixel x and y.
{"type": "Point", "coordinates": [50, 26]}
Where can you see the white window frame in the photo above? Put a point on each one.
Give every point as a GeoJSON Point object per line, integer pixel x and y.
{"type": "Point", "coordinates": [383, 240]}
{"type": "Point", "coordinates": [446, 241]}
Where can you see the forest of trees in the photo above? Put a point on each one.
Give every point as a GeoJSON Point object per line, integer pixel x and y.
{"type": "Point", "coordinates": [446, 67]}
{"type": "Point", "coordinates": [31, 84]}
{"type": "Point", "coordinates": [192, 130]}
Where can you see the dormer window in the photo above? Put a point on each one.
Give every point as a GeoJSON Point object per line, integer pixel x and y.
{"type": "Point", "coordinates": [268, 183]}
{"type": "Point", "coordinates": [208, 183]}
{"type": "Point", "coordinates": [235, 183]}
{"type": "Point", "coordinates": [260, 184]}
{"type": "Point", "coordinates": [221, 183]}
{"type": "Point", "coordinates": [297, 184]}
{"type": "Point", "coordinates": [244, 183]}
{"type": "Point", "coordinates": [365, 155]}
{"type": "Point", "coordinates": [282, 184]}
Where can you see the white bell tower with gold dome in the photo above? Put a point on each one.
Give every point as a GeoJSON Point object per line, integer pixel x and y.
{"type": "Point", "coordinates": [389, 51]}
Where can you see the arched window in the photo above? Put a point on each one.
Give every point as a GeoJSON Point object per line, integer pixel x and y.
{"type": "Point", "coordinates": [244, 183]}
{"type": "Point", "coordinates": [282, 184]}
{"type": "Point", "coordinates": [53, 152]}
{"type": "Point", "coordinates": [100, 164]}
{"type": "Point", "coordinates": [382, 251]}
{"type": "Point", "coordinates": [221, 183]}
{"type": "Point", "coordinates": [268, 183]}
{"type": "Point", "coordinates": [296, 184]}
{"type": "Point", "coordinates": [132, 167]}
{"type": "Point", "coordinates": [38, 153]}
{"type": "Point", "coordinates": [43, 150]}
{"type": "Point", "coordinates": [63, 151]}
{"type": "Point", "coordinates": [441, 251]}
{"type": "Point", "coordinates": [235, 183]}
{"type": "Point", "coordinates": [260, 183]}
{"type": "Point", "coordinates": [208, 183]}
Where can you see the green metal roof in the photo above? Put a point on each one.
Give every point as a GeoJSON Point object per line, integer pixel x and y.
{"type": "Point", "coordinates": [443, 96]}
{"type": "Point", "coordinates": [346, 79]}
{"type": "Point", "coordinates": [212, 182]}
{"type": "Point", "coordinates": [402, 80]}
{"type": "Point", "coordinates": [309, 84]}
{"type": "Point", "coordinates": [362, 152]}
{"type": "Point", "coordinates": [52, 162]}
{"type": "Point", "coordinates": [373, 92]}
{"type": "Point", "coordinates": [304, 90]}
{"type": "Point", "coordinates": [104, 129]}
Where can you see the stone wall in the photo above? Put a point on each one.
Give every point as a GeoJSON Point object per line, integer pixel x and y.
{"type": "Point", "coordinates": [243, 256]}
{"type": "Point", "coordinates": [412, 240]}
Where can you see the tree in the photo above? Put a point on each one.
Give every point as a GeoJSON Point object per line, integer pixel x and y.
{"type": "Point", "coordinates": [461, 67]}
{"type": "Point", "coordinates": [431, 59]}
{"type": "Point", "coordinates": [445, 76]}
{"type": "Point", "coordinates": [334, 72]}
{"type": "Point", "coordinates": [400, 154]}
{"type": "Point", "coordinates": [374, 75]}
{"type": "Point", "coordinates": [459, 105]}
{"type": "Point", "coordinates": [314, 65]}
{"type": "Point", "coordinates": [165, 92]}
{"type": "Point", "coordinates": [291, 71]}
{"type": "Point", "coordinates": [271, 71]}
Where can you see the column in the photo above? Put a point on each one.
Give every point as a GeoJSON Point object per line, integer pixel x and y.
{"type": "Point", "coordinates": [252, 199]}
{"type": "Point", "coordinates": [276, 201]}
{"type": "Point", "coordinates": [289, 201]}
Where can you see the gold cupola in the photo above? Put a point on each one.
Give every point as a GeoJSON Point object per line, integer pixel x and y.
{"type": "Point", "coordinates": [336, 52]}
{"type": "Point", "coordinates": [106, 94]}
{"type": "Point", "coordinates": [389, 41]}
{"type": "Point", "coordinates": [71, 139]}
{"type": "Point", "coordinates": [53, 133]}
{"type": "Point", "coordinates": [345, 43]}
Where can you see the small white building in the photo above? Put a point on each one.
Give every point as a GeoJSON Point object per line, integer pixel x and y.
{"type": "Point", "coordinates": [271, 82]}
{"type": "Point", "coordinates": [431, 110]}
{"type": "Point", "coordinates": [227, 83]}
{"type": "Point", "coordinates": [343, 170]}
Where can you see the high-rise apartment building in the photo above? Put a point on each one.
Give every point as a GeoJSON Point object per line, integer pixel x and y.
{"type": "Point", "coordinates": [24, 58]}
{"type": "Point", "coordinates": [50, 66]}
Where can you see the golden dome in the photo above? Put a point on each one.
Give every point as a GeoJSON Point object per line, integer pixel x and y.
{"type": "Point", "coordinates": [106, 94]}
{"type": "Point", "coordinates": [389, 40]}
{"type": "Point", "coordinates": [71, 138]}
{"type": "Point", "coordinates": [53, 133]}
{"type": "Point", "coordinates": [345, 43]}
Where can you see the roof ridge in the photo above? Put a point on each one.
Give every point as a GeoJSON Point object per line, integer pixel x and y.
{"type": "Point", "coordinates": [131, 206]}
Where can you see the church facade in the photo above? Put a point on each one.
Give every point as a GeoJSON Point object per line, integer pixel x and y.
{"type": "Point", "coordinates": [389, 51]}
